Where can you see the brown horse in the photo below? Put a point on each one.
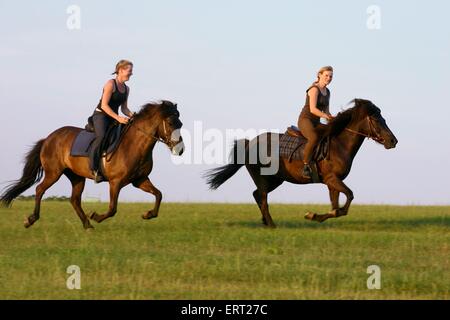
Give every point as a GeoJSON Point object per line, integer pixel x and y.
{"type": "Point", "coordinates": [131, 162]}
{"type": "Point", "coordinates": [346, 131]}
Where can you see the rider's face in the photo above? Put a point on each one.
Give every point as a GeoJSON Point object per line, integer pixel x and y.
{"type": "Point", "coordinates": [126, 72]}
{"type": "Point", "coordinates": [326, 77]}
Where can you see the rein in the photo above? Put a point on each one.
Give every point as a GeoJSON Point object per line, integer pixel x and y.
{"type": "Point", "coordinates": [108, 159]}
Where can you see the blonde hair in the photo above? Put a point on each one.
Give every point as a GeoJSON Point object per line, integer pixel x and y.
{"type": "Point", "coordinates": [322, 70]}
{"type": "Point", "coordinates": [122, 64]}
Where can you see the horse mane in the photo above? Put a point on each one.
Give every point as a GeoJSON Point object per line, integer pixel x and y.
{"type": "Point", "coordinates": [340, 122]}
{"type": "Point", "coordinates": [343, 118]}
{"type": "Point", "coordinates": [153, 109]}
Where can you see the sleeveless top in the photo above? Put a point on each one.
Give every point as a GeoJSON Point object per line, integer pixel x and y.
{"type": "Point", "coordinates": [322, 103]}
{"type": "Point", "coordinates": [116, 100]}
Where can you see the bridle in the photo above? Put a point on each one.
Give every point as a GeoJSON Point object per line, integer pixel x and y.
{"type": "Point", "coordinates": [165, 134]}
{"type": "Point", "coordinates": [373, 134]}
{"type": "Point", "coordinates": [164, 140]}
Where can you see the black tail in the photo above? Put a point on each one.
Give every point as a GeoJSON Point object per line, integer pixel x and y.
{"type": "Point", "coordinates": [32, 173]}
{"type": "Point", "coordinates": [217, 176]}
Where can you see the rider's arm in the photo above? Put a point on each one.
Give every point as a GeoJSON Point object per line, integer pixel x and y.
{"type": "Point", "coordinates": [124, 106]}
{"type": "Point", "coordinates": [327, 110]}
{"type": "Point", "coordinates": [313, 93]}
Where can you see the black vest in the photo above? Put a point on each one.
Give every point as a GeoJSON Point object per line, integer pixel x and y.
{"type": "Point", "coordinates": [322, 103]}
{"type": "Point", "coordinates": [117, 98]}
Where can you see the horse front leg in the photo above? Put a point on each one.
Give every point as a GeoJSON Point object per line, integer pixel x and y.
{"type": "Point", "coordinates": [114, 189]}
{"type": "Point", "coordinates": [146, 185]}
{"type": "Point", "coordinates": [334, 197]}
{"type": "Point", "coordinates": [335, 186]}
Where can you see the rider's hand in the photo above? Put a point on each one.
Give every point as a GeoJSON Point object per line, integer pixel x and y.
{"type": "Point", "coordinates": [123, 120]}
{"type": "Point", "coordinates": [329, 117]}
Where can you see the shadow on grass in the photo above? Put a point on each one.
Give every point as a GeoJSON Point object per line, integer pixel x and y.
{"type": "Point", "coordinates": [282, 225]}
{"type": "Point", "coordinates": [412, 223]}
{"type": "Point", "coordinates": [398, 224]}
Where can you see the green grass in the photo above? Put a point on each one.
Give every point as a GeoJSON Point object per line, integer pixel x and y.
{"type": "Point", "coordinates": [221, 251]}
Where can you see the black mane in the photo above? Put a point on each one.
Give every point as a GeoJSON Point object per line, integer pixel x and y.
{"type": "Point", "coordinates": [164, 108]}
{"type": "Point", "coordinates": [360, 109]}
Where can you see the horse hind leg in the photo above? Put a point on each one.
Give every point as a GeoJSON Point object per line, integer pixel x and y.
{"type": "Point", "coordinates": [264, 207]}
{"type": "Point", "coordinates": [50, 177]}
{"type": "Point", "coordinates": [257, 197]}
{"type": "Point", "coordinates": [264, 185]}
{"type": "Point", "coordinates": [78, 184]}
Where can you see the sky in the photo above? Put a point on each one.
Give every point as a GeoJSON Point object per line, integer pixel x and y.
{"type": "Point", "coordinates": [235, 65]}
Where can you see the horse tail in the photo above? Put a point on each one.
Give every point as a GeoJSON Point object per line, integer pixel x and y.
{"type": "Point", "coordinates": [217, 176]}
{"type": "Point", "coordinates": [32, 173]}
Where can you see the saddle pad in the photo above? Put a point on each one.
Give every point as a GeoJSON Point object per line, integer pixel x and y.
{"type": "Point", "coordinates": [83, 141]}
{"type": "Point", "coordinates": [290, 147]}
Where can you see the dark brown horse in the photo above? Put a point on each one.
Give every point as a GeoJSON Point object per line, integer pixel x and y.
{"type": "Point", "coordinates": [346, 132]}
{"type": "Point", "coordinates": [131, 162]}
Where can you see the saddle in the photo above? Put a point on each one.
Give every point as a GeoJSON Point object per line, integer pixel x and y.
{"type": "Point", "coordinates": [82, 144]}
{"type": "Point", "coordinates": [293, 131]}
{"type": "Point", "coordinates": [292, 142]}
{"type": "Point", "coordinates": [90, 125]}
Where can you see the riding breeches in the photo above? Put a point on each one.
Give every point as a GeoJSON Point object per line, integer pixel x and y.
{"type": "Point", "coordinates": [101, 123]}
{"type": "Point", "coordinates": [308, 129]}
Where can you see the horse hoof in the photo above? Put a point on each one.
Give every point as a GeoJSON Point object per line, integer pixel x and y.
{"type": "Point", "coordinates": [269, 226]}
{"type": "Point", "coordinates": [148, 215]}
{"type": "Point", "coordinates": [28, 222]}
{"type": "Point", "coordinates": [310, 216]}
{"type": "Point", "coordinates": [88, 227]}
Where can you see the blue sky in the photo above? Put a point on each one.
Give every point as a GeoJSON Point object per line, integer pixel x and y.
{"type": "Point", "coordinates": [236, 64]}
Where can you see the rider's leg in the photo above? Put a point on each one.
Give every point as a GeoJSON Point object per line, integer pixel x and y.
{"type": "Point", "coordinates": [101, 122]}
{"type": "Point", "coordinates": [308, 130]}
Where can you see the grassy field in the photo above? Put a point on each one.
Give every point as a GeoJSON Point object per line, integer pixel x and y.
{"type": "Point", "coordinates": [221, 251]}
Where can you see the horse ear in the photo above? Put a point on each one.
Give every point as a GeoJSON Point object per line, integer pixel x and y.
{"type": "Point", "coordinates": [352, 102]}
{"type": "Point", "coordinates": [175, 105]}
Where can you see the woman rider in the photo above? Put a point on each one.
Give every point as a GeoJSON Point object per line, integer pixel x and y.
{"type": "Point", "coordinates": [316, 107]}
{"type": "Point", "coordinates": [115, 94]}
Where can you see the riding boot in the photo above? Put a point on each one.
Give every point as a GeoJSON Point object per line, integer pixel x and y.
{"type": "Point", "coordinates": [98, 177]}
{"type": "Point", "coordinates": [307, 172]}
